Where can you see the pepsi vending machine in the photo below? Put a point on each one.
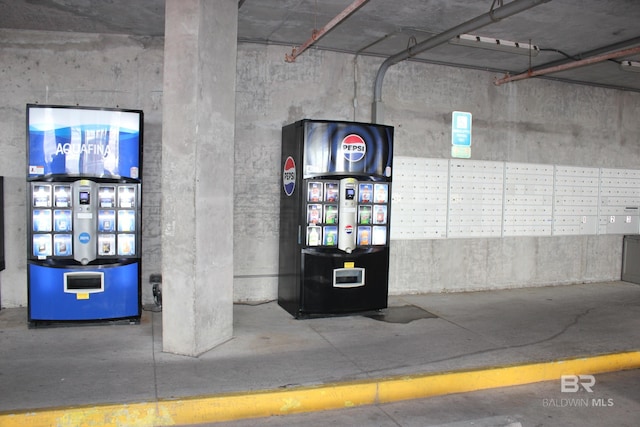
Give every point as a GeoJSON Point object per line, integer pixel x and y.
{"type": "Point", "coordinates": [334, 217]}
{"type": "Point", "coordinates": [84, 210]}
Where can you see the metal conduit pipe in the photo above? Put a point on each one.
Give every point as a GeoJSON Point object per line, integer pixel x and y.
{"type": "Point", "coordinates": [483, 20]}
{"type": "Point", "coordinates": [585, 55]}
{"type": "Point", "coordinates": [569, 66]}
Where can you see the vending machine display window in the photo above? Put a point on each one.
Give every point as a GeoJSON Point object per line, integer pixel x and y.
{"type": "Point", "coordinates": [365, 192]}
{"type": "Point", "coordinates": [332, 192]}
{"type": "Point", "coordinates": [330, 235]}
{"type": "Point", "coordinates": [62, 196]}
{"type": "Point", "coordinates": [106, 221]}
{"type": "Point", "coordinates": [42, 245]}
{"type": "Point", "coordinates": [107, 197]}
{"type": "Point", "coordinates": [62, 221]}
{"type": "Point", "coordinates": [314, 214]}
{"type": "Point", "coordinates": [126, 244]}
{"type": "Point", "coordinates": [126, 197]}
{"type": "Point", "coordinates": [41, 220]}
{"type": "Point", "coordinates": [364, 214]}
{"type": "Point", "coordinates": [107, 244]}
{"type": "Point", "coordinates": [331, 214]}
{"type": "Point", "coordinates": [364, 236]}
{"type": "Point", "coordinates": [380, 216]}
{"type": "Point", "coordinates": [117, 220]}
{"type": "Point", "coordinates": [126, 221]}
{"type": "Point", "coordinates": [322, 213]}
{"type": "Point", "coordinates": [314, 236]}
{"type": "Point", "coordinates": [381, 193]}
{"type": "Point", "coordinates": [42, 196]}
{"type": "Point", "coordinates": [315, 192]}
{"type": "Point", "coordinates": [379, 235]}
{"type": "Point", "coordinates": [62, 245]}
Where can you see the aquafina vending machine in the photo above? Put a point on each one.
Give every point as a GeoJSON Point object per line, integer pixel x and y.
{"type": "Point", "coordinates": [84, 204]}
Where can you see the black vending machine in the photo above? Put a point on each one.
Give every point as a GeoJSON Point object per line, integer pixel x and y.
{"type": "Point", "coordinates": [334, 217]}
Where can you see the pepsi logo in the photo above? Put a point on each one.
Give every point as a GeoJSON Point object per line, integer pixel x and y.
{"type": "Point", "coordinates": [348, 228]}
{"type": "Point", "coordinates": [289, 176]}
{"type": "Point", "coordinates": [84, 238]}
{"type": "Point", "coordinates": [354, 148]}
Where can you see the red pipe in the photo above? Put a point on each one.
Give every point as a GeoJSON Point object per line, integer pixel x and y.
{"type": "Point", "coordinates": [588, 61]}
{"type": "Point", "coordinates": [318, 34]}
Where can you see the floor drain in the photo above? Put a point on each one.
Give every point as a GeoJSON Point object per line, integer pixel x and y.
{"type": "Point", "coordinates": [403, 314]}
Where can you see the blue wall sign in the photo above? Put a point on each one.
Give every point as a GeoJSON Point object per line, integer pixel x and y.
{"type": "Point", "coordinates": [461, 128]}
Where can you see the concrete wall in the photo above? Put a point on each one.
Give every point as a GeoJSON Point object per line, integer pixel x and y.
{"type": "Point", "coordinates": [534, 121]}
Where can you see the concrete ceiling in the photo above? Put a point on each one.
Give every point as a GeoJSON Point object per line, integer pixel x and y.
{"type": "Point", "coordinates": [564, 30]}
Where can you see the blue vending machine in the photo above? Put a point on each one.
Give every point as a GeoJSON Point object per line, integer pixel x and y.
{"type": "Point", "coordinates": [84, 210]}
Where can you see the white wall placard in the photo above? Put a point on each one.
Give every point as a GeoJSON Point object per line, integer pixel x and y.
{"type": "Point", "coordinates": [528, 200]}
{"type": "Point", "coordinates": [456, 198]}
{"type": "Point", "coordinates": [575, 207]}
{"type": "Point", "coordinates": [419, 198]}
{"type": "Point", "coordinates": [475, 198]}
{"type": "Point", "coordinates": [619, 201]}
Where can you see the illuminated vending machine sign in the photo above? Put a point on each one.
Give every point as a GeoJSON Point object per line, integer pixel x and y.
{"type": "Point", "coordinates": [85, 212]}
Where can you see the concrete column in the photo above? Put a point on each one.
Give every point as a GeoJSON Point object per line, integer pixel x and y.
{"type": "Point", "coordinates": [197, 174]}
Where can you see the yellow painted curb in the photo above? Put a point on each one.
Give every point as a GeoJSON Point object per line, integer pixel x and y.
{"type": "Point", "coordinates": [233, 406]}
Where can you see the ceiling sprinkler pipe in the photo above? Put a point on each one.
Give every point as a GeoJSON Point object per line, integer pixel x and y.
{"type": "Point", "coordinates": [568, 66]}
{"type": "Point", "coordinates": [494, 15]}
{"type": "Point", "coordinates": [318, 34]}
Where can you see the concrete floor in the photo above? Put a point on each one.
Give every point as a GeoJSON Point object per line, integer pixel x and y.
{"type": "Point", "coordinates": [46, 372]}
